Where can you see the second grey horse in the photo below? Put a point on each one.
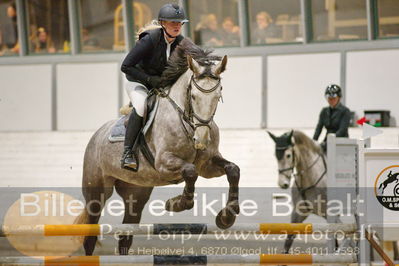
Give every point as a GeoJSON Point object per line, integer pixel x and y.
{"type": "Point", "coordinates": [298, 156]}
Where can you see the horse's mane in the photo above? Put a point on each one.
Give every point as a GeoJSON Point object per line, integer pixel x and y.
{"type": "Point", "coordinates": [305, 143]}
{"type": "Point", "coordinates": [177, 63]}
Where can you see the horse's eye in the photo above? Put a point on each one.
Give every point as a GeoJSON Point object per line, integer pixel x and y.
{"type": "Point", "coordinates": [288, 156]}
{"type": "Point", "coordinates": [193, 97]}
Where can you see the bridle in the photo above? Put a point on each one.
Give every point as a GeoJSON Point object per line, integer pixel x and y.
{"type": "Point", "coordinates": [191, 112]}
{"type": "Point", "coordinates": [188, 114]}
{"type": "Point", "coordinates": [282, 171]}
{"type": "Point", "coordinates": [299, 174]}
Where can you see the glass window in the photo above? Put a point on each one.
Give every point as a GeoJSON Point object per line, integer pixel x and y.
{"type": "Point", "coordinates": [388, 18]}
{"type": "Point", "coordinates": [274, 21]}
{"type": "Point", "coordinates": [48, 26]}
{"type": "Point", "coordinates": [101, 25]}
{"type": "Point", "coordinates": [214, 23]}
{"type": "Point", "coordinates": [144, 11]}
{"type": "Point", "coordinates": [8, 28]}
{"type": "Point", "coordinates": [339, 19]}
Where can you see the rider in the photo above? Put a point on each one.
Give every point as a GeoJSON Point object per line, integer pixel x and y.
{"type": "Point", "coordinates": [335, 118]}
{"type": "Point", "coordinates": [143, 67]}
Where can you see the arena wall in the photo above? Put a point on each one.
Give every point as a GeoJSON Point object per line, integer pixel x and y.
{"type": "Point", "coordinates": [274, 91]}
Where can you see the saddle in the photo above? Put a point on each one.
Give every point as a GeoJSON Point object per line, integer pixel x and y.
{"type": "Point", "coordinates": [118, 130]}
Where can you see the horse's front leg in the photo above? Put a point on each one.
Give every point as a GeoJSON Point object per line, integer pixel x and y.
{"type": "Point", "coordinates": [218, 166]}
{"type": "Point", "coordinates": [185, 201]}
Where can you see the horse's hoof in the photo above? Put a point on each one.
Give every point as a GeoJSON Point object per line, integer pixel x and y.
{"type": "Point", "coordinates": [224, 221]}
{"type": "Point", "coordinates": [178, 204]}
{"type": "Point", "coordinates": [227, 216]}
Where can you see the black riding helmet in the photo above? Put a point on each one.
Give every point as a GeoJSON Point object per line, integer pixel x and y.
{"type": "Point", "coordinates": [333, 90]}
{"type": "Point", "coordinates": [172, 12]}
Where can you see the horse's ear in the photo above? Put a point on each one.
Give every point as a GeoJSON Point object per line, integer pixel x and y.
{"type": "Point", "coordinates": [272, 136]}
{"type": "Point", "coordinates": [291, 137]}
{"type": "Point", "coordinates": [193, 65]}
{"type": "Point", "coordinates": [221, 67]}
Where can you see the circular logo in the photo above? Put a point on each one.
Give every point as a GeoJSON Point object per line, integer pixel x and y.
{"type": "Point", "coordinates": [37, 208]}
{"type": "Point", "coordinates": [386, 187]}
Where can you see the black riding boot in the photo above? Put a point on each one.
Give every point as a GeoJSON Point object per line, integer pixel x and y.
{"type": "Point", "coordinates": [132, 131]}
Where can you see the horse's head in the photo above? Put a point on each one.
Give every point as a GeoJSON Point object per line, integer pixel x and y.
{"type": "Point", "coordinates": [285, 157]}
{"type": "Point", "coordinates": [203, 97]}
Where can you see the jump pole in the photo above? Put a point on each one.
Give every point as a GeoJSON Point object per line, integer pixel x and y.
{"type": "Point", "coordinates": [157, 229]}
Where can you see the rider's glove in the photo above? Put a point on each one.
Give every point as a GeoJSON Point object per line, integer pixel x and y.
{"type": "Point", "coordinates": [154, 81]}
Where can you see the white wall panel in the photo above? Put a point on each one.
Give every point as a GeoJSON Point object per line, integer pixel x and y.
{"type": "Point", "coordinates": [87, 95]}
{"type": "Point", "coordinates": [373, 81]}
{"type": "Point", "coordinates": [25, 98]}
{"type": "Point", "coordinates": [295, 87]}
{"type": "Point", "coordinates": [242, 94]}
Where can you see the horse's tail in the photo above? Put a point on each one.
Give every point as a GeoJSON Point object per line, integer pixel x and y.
{"type": "Point", "coordinates": [83, 218]}
{"type": "Point", "coordinates": [380, 186]}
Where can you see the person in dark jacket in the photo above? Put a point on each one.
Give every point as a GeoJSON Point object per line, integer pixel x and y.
{"type": "Point", "coordinates": [335, 118]}
{"type": "Point", "coordinates": [143, 67]}
{"type": "Point", "coordinates": [9, 30]}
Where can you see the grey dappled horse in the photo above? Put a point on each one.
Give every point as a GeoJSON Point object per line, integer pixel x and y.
{"type": "Point", "coordinates": [299, 156]}
{"type": "Point", "coordinates": [183, 138]}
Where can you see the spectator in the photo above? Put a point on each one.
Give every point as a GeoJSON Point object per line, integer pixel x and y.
{"type": "Point", "coordinates": [265, 29]}
{"type": "Point", "coordinates": [206, 32]}
{"type": "Point", "coordinates": [89, 42]}
{"type": "Point", "coordinates": [230, 32]}
{"type": "Point", "coordinates": [43, 43]}
{"type": "Point", "coordinates": [9, 31]}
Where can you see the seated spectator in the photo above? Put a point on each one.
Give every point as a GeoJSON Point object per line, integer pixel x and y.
{"type": "Point", "coordinates": [207, 33]}
{"type": "Point", "coordinates": [230, 33]}
{"type": "Point", "coordinates": [42, 42]}
{"type": "Point", "coordinates": [89, 42]}
{"type": "Point", "coordinates": [265, 29]}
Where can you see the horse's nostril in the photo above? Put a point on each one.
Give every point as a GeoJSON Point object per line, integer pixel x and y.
{"type": "Point", "coordinates": [285, 186]}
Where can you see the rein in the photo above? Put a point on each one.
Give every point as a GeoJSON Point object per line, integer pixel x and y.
{"type": "Point", "coordinates": [189, 114]}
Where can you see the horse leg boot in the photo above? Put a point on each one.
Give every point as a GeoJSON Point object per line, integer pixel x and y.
{"type": "Point", "coordinates": [132, 131]}
{"type": "Point", "coordinates": [227, 216]}
{"type": "Point", "coordinates": [185, 201]}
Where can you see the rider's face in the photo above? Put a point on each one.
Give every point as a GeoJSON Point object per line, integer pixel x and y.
{"type": "Point", "coordinates": [173, 28]}
{"type": "Point", "coordinates": [333, 101]}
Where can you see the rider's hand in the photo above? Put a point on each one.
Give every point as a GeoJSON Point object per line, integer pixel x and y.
{"type": "Point", "coordinates": [154, 81]}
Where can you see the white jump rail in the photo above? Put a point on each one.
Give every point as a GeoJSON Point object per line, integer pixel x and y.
{"type": "Point", "coordinates": [262, 259]}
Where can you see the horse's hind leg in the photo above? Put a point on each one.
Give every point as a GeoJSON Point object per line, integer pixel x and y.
{"type": "Point", "coordinates": [134, 199]}
{"type": "Point", "coordinates": [295, 218]}
{"type": "Point", "coordinates": [218, 166]}
{"type": "Point", "coordinates": [95, 201]}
